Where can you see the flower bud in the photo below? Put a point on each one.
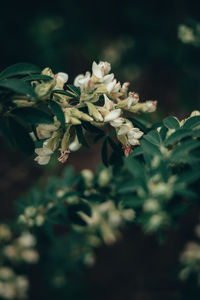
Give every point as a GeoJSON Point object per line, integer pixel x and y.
{"type": "Point", "coordinates": [75, 121]}
{"type": "Point", "coordinates": [75, 145]}
{"type": "Point", "coordinates": [94, 112]}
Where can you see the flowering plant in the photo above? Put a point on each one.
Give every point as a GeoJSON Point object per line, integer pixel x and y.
{"type": "Point", "coordinates": [150, 179]}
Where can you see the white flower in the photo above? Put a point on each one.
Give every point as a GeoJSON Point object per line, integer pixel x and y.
{"type": "Point", "coordinates": [100, 70]}
{"type": "Point", "coordinates": [124, 129]}
{"type": "Point", "coordinates": [6, 273]}
{"type": "Point", "coordinates": [134, 142]}
{"type": "Point", "coordinates": [113, 87]}
{"type": "Point", "coordinates": [84, 81]}
{"type": "Point", "coordinates": [132, 99]}
{"type": "Point", "coordinates": [45, 131]}
{"type": "Point", "coordinates": [134, 133]}
{"type": "Point", "coordinates": [124, 88]}
{"type": "Point", "coordinates": [61, 79]}
{"type": "Point", "coordinates": [150, 106]}
{"type": "Point", "coordinates": [26, 240]}
{"type": "Point", "coordinates": [22, 285]}
{"type": "Point", "coordinates": [30, 256]}
{"type": "Point", "coordinates": [44, 155]}
{"type": "Point", "coordinates": [117, 122]}
{"type": "Point", "coordinates": [114, 114]}
{"type": "Point", "coordinates": [75, 145]}
{"type": "Point", "coordinates": [108, 104]}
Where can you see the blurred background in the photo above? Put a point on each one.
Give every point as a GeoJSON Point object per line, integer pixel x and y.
{"type": "Point", "coordinates": [145, 44]}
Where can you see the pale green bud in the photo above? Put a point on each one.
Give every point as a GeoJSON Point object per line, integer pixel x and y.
{"type": "Point", "coordinates": [104, 177]}
{"type": "Point", "coordinates": [94, 112]}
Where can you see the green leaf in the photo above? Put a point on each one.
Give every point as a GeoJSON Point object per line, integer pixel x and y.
{"type": "Point", "coordinates": [32, 115]}
{"type": "Point", "coordinates": [37, 77]}
{"type": "Point", "coordinates": [171, 123]}
{"type": "Point", "coordinates": [19, 69]}
{"type": "Point", "coordinates": [136, 151]}
{"type": "Point", "coordinates": [74, 89]}
{"type": "Point", "coordinates": [104, 152]}
{"type": "Point", "coordinates": [21, 136]}
{"type": "Point", "coordinates": [58, 112]}
{"type": "Point", "coordinates": [184, 148]}
{"type": "Point", "coordinates": [177, 136]}
{"type": "Point", "coordinates": [149, 148]}
{"type": "Point", "coordinates": [81, 138]}
{"type": "Point", "coordinates": [153, 137]}
{"type": "Point", "coordinates": [135, 168]}
{"type": "Point", "coordinates": [18, 86]}
{"type": "Point", "coordinates": [192, 122]}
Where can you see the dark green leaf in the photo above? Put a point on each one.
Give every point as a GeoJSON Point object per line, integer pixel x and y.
{"type": "Point", "coordinates": [19, 69]}
{"type": "Point", "coordinates": [153, 137]}
{"type": "Point", "coordinates": [177, 136]}
{"type": "Point", "coordinates": [21, 136]}
{"type": "Point", "coordinates": [192, 122]}
{"type": "Point", "coordinates": [32, 115]}
{"type": "Point", "coordinates": [58, 112]}
{"type": "Point", "coordinates": [171, 123]}
{"type": "Point", "coordinates": [74, 89]}
{"type": "Point", "coordinates": [81, 138]}
{"type": "Point", "coordinates": [37, 77]}
{"type": "Point", "coordinates": [19, 86]}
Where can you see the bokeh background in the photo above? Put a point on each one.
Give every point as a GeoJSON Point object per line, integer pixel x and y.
{"type": "Point", "coordinates": [140, 39]}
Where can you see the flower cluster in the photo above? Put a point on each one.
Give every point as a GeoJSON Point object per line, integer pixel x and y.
{"type": "Point", "coordinates": [97, 98]}
{"type": "Point", "coordinates": [12, 286]}
{"type": "Point", "coordinates": [190, 258]}
{"type": "Point", "coordinates": [14, 252]}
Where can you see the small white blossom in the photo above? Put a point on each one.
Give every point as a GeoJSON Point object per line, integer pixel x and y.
{"type": "Point", "coordinates": [114, 114]}
{"type": "Point", "coordinates": [100, 70]}
{"type": "Point", "coordinates": [117, 122]}
{"type": "Point", "coordinates": [75, 145]}
{"type": "Point", "coordinates": [134, 133]}
{"type": "Point", "coordinates": [84, 81]}
{"type": "Point", "coordinates": [124, 129]}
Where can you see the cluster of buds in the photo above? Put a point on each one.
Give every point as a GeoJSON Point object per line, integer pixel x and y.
{"type": "Point", "coordinates": [107, 219]}
{"type": "Point", "coordinates": [15, 250]}
{"type": "Point", "coordinates": [12, 286]}
{"type": "Point", "coordinates": [34, 216]}
{"type": "Point", "coordinates": [190, 258]}
{"type": "Point", "coordinates": [101, 100]}
{"type": "Point", "coordinates": [22, 249]}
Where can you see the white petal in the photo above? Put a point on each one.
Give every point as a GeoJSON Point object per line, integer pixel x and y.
{"type": "Point", "coordinates": [111, 85]}
{"type": "Point", "coordinates": [97, 71]}
{"type": "Point", "coordinates": [108, 104]}
{"type": "Point", "coordinates": [124, 129]}
{"type": "Point", "coordinates": [42, 160]}
{"type": "Point", "coordinates": [117, 122]}
{"type": "Point", "coordinates": [107, 78]}
{"type": "Point", "coordinates": [134, 133]}
{"type": "Point", "coordinates": [133, 142]}
{"type": "Point", "coordinates": [43, 151]}
{"type": "Point", "coordinates": [63, 76]}
{"type": "Point", "coordinates": [75, 145]}
{"type": "Point", "coordinates": [114, 114]}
